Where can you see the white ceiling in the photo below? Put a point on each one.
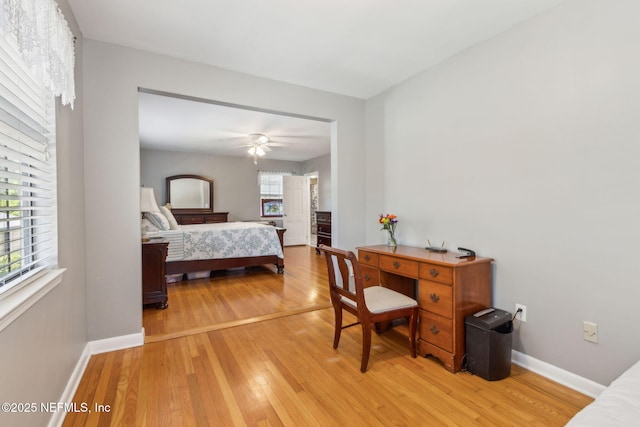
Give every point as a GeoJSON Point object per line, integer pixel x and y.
{"type": "Point", "coordinates": [356, 48]}
{"type": "Point", "coordinates": [174, 123]}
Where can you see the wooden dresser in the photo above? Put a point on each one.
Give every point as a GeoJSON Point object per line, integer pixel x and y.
{"type": "Point", "coordinates": [323, 219]}
{"type": "Point", "coordinates": [197, 218]}
{"type": "Point", "coordinates": [154, 281]}
{"type": "Point", "coordinates": [447, 289]}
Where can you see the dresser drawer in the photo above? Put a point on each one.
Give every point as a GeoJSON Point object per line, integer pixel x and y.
{"type": "Point", "coordinates": [436, 298]}
{"type": "Point", "coordinates": [370, 275]}
{"type": "Point", "coordinates": [324, 240]}
{"type": "Point", "coordinates": [191, 219]}
{"type": "Point", "coordinates": [215, 217]}
{"type": "Point", "coordinates": [368, 258]}
{"type": "Point", "coordinates": [437, 273]}
{"type": "Point", "coordinates": [399, 266]}
{"type": "Point", "coordinates": [324, 228]}
{"type": "Point", "coordinates": [436, 330]}
{"type": "Point", "coordinates": [323, 217]}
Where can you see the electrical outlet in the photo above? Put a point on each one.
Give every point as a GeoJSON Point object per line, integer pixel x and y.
{"type": "Point", "coordinates": [590, 331]}
{"type": "Point", "coordinates": [522, 316]}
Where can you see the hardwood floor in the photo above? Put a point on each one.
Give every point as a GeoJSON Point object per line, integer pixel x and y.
{"type": "Point", "coordinates": [255, 349]}
{"type": "Point", "coordinates": [240, 296]}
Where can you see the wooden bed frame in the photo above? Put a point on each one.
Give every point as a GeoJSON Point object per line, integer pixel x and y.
{"type": "Point", "coordinates": [182, 267]}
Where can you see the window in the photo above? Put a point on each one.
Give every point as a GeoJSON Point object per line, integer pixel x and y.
{"type": "Point", "coordinates": [271, 193]}
{"type": "Point", "coordinates": [271, 207]}
{"type": "Point", "coordinates": [28, 230]}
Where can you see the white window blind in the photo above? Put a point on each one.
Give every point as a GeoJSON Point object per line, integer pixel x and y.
{"type": "Point", "coordinates": [28, 242]}
{"type": "Point", "coordinates": [271, 184]}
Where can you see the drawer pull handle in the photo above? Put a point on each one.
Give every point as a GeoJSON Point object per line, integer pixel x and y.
{"type": "Point", "coordinates": [367, 257]}
{"type": "Point", "coordinates": [367, 277]}
{"type": "Point", "coordinates": [434, 297]}
{"type": "Point", "coordinates": [396, 264]}
{"type": "Point", "coordinates": [434, 272]}
{"type": "Point", "coordinates": [434, 329]}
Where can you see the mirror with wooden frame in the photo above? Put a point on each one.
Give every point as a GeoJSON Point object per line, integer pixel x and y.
{"type": "Point", "coordinates": [190, 194]}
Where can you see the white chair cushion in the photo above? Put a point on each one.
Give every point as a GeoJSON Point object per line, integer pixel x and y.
{"type": "Point", "coordinates": [380, 299]}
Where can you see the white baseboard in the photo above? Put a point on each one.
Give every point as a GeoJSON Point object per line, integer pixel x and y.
{"type": "Point", "coordinates": [57, 418]}
{"type": "Point", "coordinates": [566, 378]}
{"type": "Point", "coordinates": [91, 348]}
{"type": "Point", "coordinates": [117, 343]}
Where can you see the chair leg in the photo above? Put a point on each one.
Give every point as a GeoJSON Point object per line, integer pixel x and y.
{"type": "Point", "coordinates": [338, 326]}
{"type": "Point", "coordinates": [366, 346]}
{"type": "Point", "coordinates": [413, 324]}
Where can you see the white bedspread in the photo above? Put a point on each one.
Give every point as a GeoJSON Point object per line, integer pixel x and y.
{"type": "Point", "coordinates": [221, 240]}
{"type": "Point", "coordinates": [618, 405]}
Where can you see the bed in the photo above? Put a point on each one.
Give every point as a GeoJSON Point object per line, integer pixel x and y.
{"type": "Point", "coordinates": [617, 405]}
{"type": "Point", "coordinates": [220, 246]}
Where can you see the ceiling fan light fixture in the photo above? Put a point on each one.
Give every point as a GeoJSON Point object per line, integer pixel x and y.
{"type": "Point", "coordinates": [259, 146]}
{"type": "Point", "coordinates": [259, 138]}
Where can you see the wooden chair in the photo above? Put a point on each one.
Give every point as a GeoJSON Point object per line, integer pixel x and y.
{"type": "Point", "coordinates": [370, 305]}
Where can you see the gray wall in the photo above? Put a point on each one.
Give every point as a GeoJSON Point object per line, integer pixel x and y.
{"type": "Point", "coordinates": [112, 77]}
{"type": "Point", "coordinates": [527, 153]}
{"type": "Point", "coordinates": [40, 349]}
{"type": "Point", "coordinates": [526, 149]}
{"type": "Point", "coordinates": [235, 179]}
{"type": "Point", "coordinates": [322, 165]}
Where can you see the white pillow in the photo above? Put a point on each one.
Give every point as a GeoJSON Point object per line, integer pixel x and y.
{"type": "Point", "coordinates": [148, 227]}
{"type": "Point", "coordinates": [157, 219]}
{"type": "Point", "coordinates": [173, 224]}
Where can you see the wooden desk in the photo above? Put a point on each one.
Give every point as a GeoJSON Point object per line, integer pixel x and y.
{"type": "Point", "coordinates": [448, 289]}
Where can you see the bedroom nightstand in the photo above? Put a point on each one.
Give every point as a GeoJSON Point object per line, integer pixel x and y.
{"type": "Point", "coordinates": [154, 281]}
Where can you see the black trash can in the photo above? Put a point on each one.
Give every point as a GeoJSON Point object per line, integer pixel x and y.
{"type": "Point", "coordinates": [488, 342]}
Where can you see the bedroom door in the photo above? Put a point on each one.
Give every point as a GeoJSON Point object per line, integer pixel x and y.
{"type": "Point", "coordinates": [295, 206]}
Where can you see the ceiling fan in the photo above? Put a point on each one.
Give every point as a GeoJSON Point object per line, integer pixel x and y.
{"type": "Point", "coordinates": [259, 145]}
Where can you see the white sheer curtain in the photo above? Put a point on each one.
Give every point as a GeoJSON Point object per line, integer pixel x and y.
{"type": "Point", "coordinates": [45, 42]}
{"type": "Point", "coordinates": [270, 183]}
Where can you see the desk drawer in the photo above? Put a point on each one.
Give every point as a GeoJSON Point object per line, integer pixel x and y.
{"type": "Point", "coordinates": [368, 258]}
{"type": "Point", "coordinates": [436, 298]}
{"type": "Point", "coordinates": [436, 330]}
{"type": "Point", "coordinates": [370, 275]}
{"type": "Point", "coordinates": [436, 272]}
{"type": "Point", "coordinates": [399, 266]}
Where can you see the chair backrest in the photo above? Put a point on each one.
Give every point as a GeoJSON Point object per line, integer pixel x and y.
{"type": "Point", "coordinates": [345, 278]}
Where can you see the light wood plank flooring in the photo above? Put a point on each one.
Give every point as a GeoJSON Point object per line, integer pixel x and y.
{"type": "Point", "coordinates": [255, 349]}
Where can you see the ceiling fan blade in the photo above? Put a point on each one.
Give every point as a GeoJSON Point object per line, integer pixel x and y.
{"type": "Point", "coordinates": [274, 137]}
{"type": "Point", "coordinates": [234, 139]}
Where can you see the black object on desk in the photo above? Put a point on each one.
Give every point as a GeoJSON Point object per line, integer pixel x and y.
{"type": "Point", "coordinates": [469, 253]}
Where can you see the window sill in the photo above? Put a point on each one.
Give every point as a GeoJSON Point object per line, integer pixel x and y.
{"type": "Point", "coordinates": [20, 300]}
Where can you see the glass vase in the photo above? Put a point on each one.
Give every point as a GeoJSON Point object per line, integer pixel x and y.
{"type": "Point", "coordinates": [391, 240]}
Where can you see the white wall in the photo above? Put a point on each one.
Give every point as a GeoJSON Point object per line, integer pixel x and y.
{"type": "Point", "coordinates": [112, 77]}
{"type": "Point", "coordinates": [40, 349]}
{"type": "Point", "coordinates": [526, 149]}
